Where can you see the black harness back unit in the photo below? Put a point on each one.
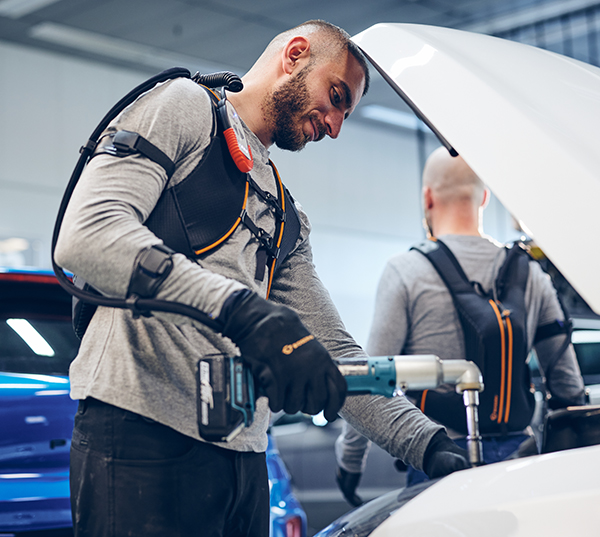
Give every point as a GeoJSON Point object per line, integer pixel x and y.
{"type": "Point", "coordinates": [495, 334]}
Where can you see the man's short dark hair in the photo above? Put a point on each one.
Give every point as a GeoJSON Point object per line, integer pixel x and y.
{"type": "Point", "coordinates": [336, 40]}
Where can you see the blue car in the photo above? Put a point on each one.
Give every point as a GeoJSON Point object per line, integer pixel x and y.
{"type": "Point", "coordinates": [37, 344]}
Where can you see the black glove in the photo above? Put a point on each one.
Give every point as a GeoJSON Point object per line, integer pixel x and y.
{"type": "Point", "coordinates": [443, 456]}
{"type": "Point", "coordinates": [348, 482]}
{"type": "Point", "coordinates": [293, 369]}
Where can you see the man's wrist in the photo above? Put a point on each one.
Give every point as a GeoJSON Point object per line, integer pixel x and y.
{"type": "Point", "coordinates": [231, 303]}
{"type": "Point", "coordinates": [437, 442]}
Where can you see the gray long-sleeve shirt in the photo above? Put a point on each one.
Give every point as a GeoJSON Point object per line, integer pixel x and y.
{"type": "Point", "coordinates": [414, 314]}
{"type": "Point", "coordinates": [147, 365]}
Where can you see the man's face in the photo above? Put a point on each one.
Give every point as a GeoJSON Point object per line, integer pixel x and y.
{"type": "Point", "coordinates": [314, 102]}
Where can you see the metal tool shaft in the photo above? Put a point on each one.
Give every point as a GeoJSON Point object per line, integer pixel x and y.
{"type": "Point", "coordinates": [474, 444]}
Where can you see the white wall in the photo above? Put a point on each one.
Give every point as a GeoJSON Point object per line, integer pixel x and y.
{"type": "Point", "coordinates": [49, 105]}
{"type": "Point", "coordinates": [361, 191]}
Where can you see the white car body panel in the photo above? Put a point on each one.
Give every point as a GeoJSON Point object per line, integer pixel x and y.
{"type": "Point", "coordinates": [526, 120]}
{"type": "Point", "coordinates": [556, 494]}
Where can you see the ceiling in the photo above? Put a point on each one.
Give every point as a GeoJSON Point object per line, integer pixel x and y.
{"type": "Point", "coordinates": [209, 35]}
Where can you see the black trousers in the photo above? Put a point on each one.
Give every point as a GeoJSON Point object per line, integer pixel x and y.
{"type": "Point", "coordinates": [134, 477]}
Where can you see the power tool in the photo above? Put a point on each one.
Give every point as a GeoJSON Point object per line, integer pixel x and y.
{"type": "Point", "coordinates": [228, 394]}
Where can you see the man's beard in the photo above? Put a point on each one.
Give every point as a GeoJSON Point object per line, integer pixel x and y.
{"type": "Point", "coordinates": [285, 110]}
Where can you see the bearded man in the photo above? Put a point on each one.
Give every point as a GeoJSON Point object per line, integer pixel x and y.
{"type": "Point", "coordinates": [138, 463]}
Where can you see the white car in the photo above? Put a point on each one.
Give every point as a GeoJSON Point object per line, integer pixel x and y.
{"type": "Point", "coordinates": [550, 495]}
{"type": "Point", "coordinates": [527, 121]}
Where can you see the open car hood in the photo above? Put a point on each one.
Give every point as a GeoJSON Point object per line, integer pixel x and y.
{"type": "Point", "coordinates": [526, 120]}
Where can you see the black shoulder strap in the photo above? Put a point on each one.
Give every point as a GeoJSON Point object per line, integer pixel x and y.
{"type": "Point", "coordinates": [446, 264]}
{"type": "Point", "coordinates": [514, 269]}
{"type": "Point", "coordinates": [291, 231]}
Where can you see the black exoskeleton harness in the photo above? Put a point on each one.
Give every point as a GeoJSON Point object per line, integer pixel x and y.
{"type": "Point", "coordinates": [495, 336]}
{"type": "Point", "coordinates": [193, 217]}
{"type": "Point", "coordinates": [200, 212]}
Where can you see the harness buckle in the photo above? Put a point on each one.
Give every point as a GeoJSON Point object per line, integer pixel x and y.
{"type": "Point", "coordinates": [273, 202]}
{"type": "Point", "coordinates": [265, 239]}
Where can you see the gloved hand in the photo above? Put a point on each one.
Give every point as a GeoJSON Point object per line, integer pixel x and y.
{"type": "Point", "coordinates": [293, 369]}
{"type": "Point", "coordinates": [443, 456]}
{"type": "Point", "coordinates": [347, 482]}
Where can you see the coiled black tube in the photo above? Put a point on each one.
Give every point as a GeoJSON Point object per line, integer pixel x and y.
{"type": "Point", "coordinates": [227, 79]}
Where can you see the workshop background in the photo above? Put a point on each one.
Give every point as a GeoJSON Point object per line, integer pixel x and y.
{"type": "Point", "coordinates": [64, 63]}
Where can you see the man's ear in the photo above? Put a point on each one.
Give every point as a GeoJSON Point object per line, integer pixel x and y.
{"type": "Point", "coordinates": [295, 53]}
{"type": "Point", "coordinates": [486, 198]}
{"type": "Point", "coordinates": [427, 198]}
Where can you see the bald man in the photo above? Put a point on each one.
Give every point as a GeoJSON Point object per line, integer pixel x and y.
{"type": "Point", "coordinates": [415, 314]}
{"type": "Point", "coordinates": [453, 196]}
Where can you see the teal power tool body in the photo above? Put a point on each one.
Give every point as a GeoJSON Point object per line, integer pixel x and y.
{"type": "Point", "coordinates": [228, 391]}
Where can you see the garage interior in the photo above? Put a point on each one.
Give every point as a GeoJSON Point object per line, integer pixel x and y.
{"type": "Point", "coordinates": [63, 63]}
